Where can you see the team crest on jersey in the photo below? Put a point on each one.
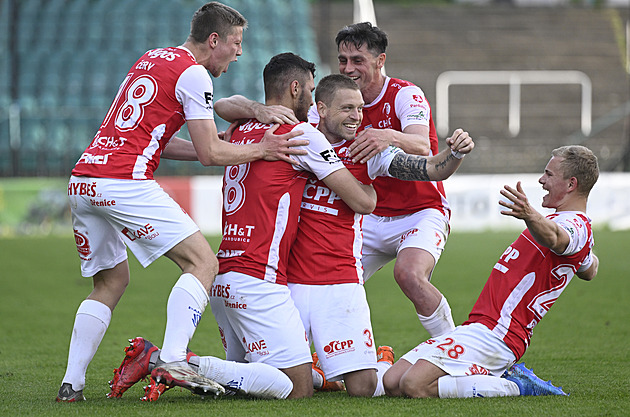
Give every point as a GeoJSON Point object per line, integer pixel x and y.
{"type": "Point", "coordinates": [418, 98]}
{"type": "Point", "coordinates": [222, 334]}
{"type": "Point", "coordinates": [83, 245]}
{"type": "Point", "coordinates": [387, 108]}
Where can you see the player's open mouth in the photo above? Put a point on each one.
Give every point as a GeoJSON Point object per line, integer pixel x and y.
{"type": "Point", "coordinates": [351, 126]}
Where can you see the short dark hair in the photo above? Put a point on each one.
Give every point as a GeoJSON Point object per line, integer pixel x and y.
{"type": "Point", "coordinates": [364, 33]}
{"type": "Point", "coordinates": [330, 84]}
{"type": "Point", "coordinates": [282, 69]}
{"type": "Point", "coordinates": [214, 17]}
{"type": "Point", "coordinates": [579, 162]}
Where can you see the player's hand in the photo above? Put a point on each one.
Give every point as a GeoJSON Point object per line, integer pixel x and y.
{"type": "Point", "coordinates": [369, 143]}
{"type": "Point", "coordinates": [518, 205]}
{"type": "Point", "coordinates": [460, 141]}
{"type": "Point", "coordinates": [275, 114]}
{"type": "Point", "coordinates": [279, 147]}
{"type": "Point", "coordinates": [227, 134]}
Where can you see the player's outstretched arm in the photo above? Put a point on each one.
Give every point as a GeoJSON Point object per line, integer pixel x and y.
{"type": "Point", "coordinates": [240, 107]}
{"type": "Point", "coordinates": [180, 149]}
{"type": "Point", "coordinates": [433, 168]}
{"type": "Point", "coordinates": [359, 197]}
{"type": "Point", "coordinates": [211, 150]}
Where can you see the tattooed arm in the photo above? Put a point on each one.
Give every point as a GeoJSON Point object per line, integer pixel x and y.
{"type": "Point", "coordinates": [433, 168]}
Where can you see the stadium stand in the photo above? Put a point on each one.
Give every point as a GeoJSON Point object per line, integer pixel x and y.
{"type": "Point", "coordinates": [71, 55]}
{"type": "Point", "coordinates": [426, 41]}
{"type": "Point", "coordinates": [68, 57]}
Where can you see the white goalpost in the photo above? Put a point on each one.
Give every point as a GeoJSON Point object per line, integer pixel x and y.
{"type": "Point", "coordinates": [364, 12]}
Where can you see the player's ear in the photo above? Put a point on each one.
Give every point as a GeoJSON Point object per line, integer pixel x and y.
{"type": "Point", "coordinates": [380, 60]}
{"type": "Point", "coordinates": [213, 40]}
{"type": "Point", "coordinates": [295, 88]}
{"type": "Point", "coordinates": [321, 108]}
{"type": "Point", "coordinates": [572, 185]}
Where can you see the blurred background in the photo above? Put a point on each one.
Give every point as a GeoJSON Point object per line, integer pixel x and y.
{"type": "Point", "coordinates": [522, 76]}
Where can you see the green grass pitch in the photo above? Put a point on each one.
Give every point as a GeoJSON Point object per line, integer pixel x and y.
{"type": "Point", "coordinates": [583, 344]}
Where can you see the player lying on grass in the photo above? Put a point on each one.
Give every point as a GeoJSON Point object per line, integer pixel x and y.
{"type": "Point", "coordinates": [477, 358]}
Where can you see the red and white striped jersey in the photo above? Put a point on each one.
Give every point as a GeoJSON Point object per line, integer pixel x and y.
{"type": "Point", "coordinates": [327, 249]}
{"type": "Point", "coordinates": [162, 90]}
{"type": "Point", "coordinates": [261, 203]}
{"type": "Point", "coordinates": [528, 279]}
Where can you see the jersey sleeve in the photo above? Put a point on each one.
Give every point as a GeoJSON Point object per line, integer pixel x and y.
{"type": "Point", "coordinates": [577, 230]}
{"type": "Point", "coordinates": [412, 108]}
{"type": "Point", "coordinates": [378, 166]}
{"type": "Point", "coordinates": [313, 115]}
{"type": "Point", "coordinates": [588, 261]}
{"type": "Point", "coordinates": [194, 91]}
{"type": "Point", "coordinates": [321, 159]}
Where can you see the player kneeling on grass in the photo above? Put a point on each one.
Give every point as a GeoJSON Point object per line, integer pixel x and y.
{"type": "Point", "coordinates": [142, 359]}
{"type": "Point", "coordinates": [477, 358]}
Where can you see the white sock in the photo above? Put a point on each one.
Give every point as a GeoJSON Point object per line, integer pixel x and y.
{"type": "Point", "coordinates": [476, 386]}
{"type": "Point", "coordinates": [90, 325]}
{"type": "Point", "coordinates": [257, 379]}
{"type": "Point", "coordinates": [318, 379]}
{"type": "Point", "coordinates": [381, 368]}
{"type": "Point", "coordinates": [440, 322]}
{"type": "Point", "coordinates": [186, 304]}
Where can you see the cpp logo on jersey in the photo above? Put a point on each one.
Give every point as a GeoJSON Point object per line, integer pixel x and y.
{"type": "Point", "coordinates": [338, 347]}
{"type": "Point", "coordinates": [418, 98]}
{"type": "Point", "coordinates": [407, 234]}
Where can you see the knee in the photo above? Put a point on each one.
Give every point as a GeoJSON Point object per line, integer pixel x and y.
{"type": "Point", "coordinates": [213, 266]}
{"type": "Point", "coordinates": [413, 389]}
{"type": "Point", "coordinates": [300, 392]}
{"type": "Point", "coordinates": [391, 385]}
{"type": "Point", "coordinates": [302, 381]}
{"type": "Point", "coordinates": [364, 389]}
{"type": "Point", "coordinates": [205, 270]}
{"type": "Point", "coordinates": [406, 276]}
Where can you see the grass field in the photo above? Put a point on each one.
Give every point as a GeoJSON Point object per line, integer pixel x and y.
{"type": "Point", "coordinates": [583, 344]}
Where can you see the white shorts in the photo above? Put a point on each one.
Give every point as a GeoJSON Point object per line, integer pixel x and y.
{"type": "Point", "coordinates": [258, 321]}
{"type": "Point", "coordinates": [337, 321]}
{"type": "Point", "coordinates": [468, 350]}
{"type": "Point", "coordinates": [108, 214]}
{"type": "Point", "coordinates": [384, 237]}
